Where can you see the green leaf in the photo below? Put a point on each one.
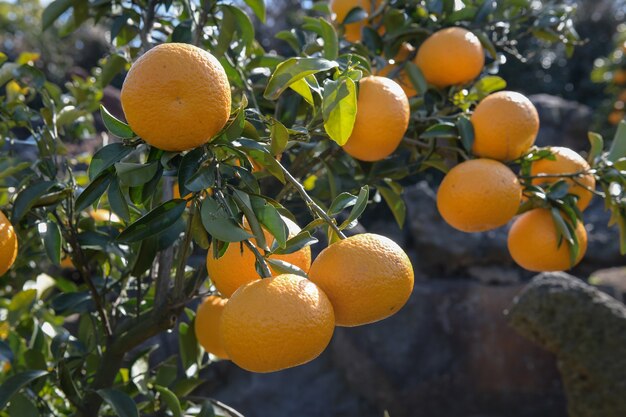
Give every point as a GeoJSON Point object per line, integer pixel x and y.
{"type": "Point", "coordinates": [115, 126]}
{"type": "Point", "coordinates": [342, 201]}
{"type": "Point", "coordinates": [203, 178]}
{"type": "Point", "coordinates": [618, 147]}
{"type": "Point", "coordinates": [27, 197]}
{"type": "Point", "coordinates": [15, 383]}
{"type": "Point", "coordinates": [182, 32]}
{"type": "Point", "coordinates": [282, 267]}
{"type": "Point", "coordinates": [466, 131]}
{"type": "Point", "coordinates": [117, 201]}
{"type": "Point", "coordinates": [94, 191]}
{"type": "Point", "coordinates": [198, 233]}
{"type": "Point", "coordinates": [258, 7]}
{"type": "Point", "coordinates": [187, 345]}
{"type": "Point", "coordinates": [242, 22]}
{"type": "Point", "coordinates": [488, 85]}
{"type": "Point", "coordinates": [120, 402]}
{"type": "Point", "coordinates": [22, 406]}
{"type": "Point", "coordinates": [299, 241]}
{"type": "Point", "coordinates": [207, 410]}
{"type": "Point", "coordinates": [106, 157]}
{"type": "Point", "coordinates": [597, 146]}
{"type": "Point", "coordinates": [395, 203]}
{"type": "Point", "coordinates": [292, 70]}
{"type": "Point", "coordinates": [416, 77]}
{"type": "Point", "coordinates": [219, 224]}
{"type": "Point", "coordinates": [326, 30]}
{"type": "Point", "coordinates": [169, 398]}
{"type": "Point", "coordinates": [302, 87]}
{"type": "Point", "coordinates": [52, 12]}
{"type": "Point", "coordinates": [52, 242]}
{"type": "Point", "coordinates": [189, 165]}
{"type": "Point", "coordinates": [113, 65]}
{"type": "Point", "coordinates": [441, 130]}
{"type": "Point", "coordinates": [154, 222]}
{"type": "Point", "coordinates": [339, 108]}
{"type": "Point", "coordinates": [134, 175]}
{"type": "Point", "coordinates": [279, 136]}
{"type": "Point", "coordinates": [359, 206]}
{"type": "Point", "coordinates": [14, 169]}
{"type": "Point", "coordinates": [271, 219]}
{"type": "Point", "coordinates": [245, 205]}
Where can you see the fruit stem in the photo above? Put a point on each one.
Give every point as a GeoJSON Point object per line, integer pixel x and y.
{"type": "Point", "coordinates": [266, 273]}
{"type": "Point", "coordinates": [313, 207]}
{"type": "Point", "coordinates": [183, 254]}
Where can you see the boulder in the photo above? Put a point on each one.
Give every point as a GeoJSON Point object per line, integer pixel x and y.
{"type": "Point", "coordinates": [586, 330]}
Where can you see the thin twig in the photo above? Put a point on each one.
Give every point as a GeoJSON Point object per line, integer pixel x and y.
{"type": "Point", "coordinates": [183, 254]}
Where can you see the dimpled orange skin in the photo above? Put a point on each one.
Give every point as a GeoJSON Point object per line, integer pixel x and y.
{"type": "Point", "coordinates": [8, 244]}
{"type": "Point", "coordinates": [450, 56]}
{"type": "Point", "coordinates": [207, 324]}
{"type": "Point", "coordinates": [402, 78]}
{"type": "Point", "coordinates": [505, 124]}
{"type": "Point", "coordinates": [341, 8]}
{"type": "Point", "coordinates": [236, 267]}
{"type": "Point", "coordinates": [533, 243]}
{"type": "Point", "coordinates": [176, 97]}
{"type": "Point", "coordinates": [276, 323]}
{"type": "Point", "coordinates": [567, 162]}
{"type": "Point", "coordinates": [367, 278]}
{"type": "Point", "coordinates": [479, 195]}
{"type": "Point", "coordinates": [382, 119]}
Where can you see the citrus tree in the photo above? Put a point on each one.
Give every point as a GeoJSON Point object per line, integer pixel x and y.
{"type": "Point", "coordinates": [248, 158]}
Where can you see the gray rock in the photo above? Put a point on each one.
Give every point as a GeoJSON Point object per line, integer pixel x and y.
{"type": "Point", "coordinates": [586, 329]}
{"type": "Point", "coordinates": [562, 122]}
{"type": "Point", "coordinates": [448, 353]}
{"type": "Point", "coordinates": [612, 281]}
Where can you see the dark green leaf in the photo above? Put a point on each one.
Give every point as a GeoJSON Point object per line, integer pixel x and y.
{"type": "Point", "coordinates": [114, 65]}
{"type": "Point", "coordinates": [203, 178]}
{"type": "Point", "coordinates": [219, 224]}
{"type": "Point", "coordinates": [293, 70]}
{"type": "Point", "coordinates": [120, 402]}
{"type": "Point", "coordinates": [117, 201]}
{"type": "Point", "coordinates": [271, 219]}
{"type": "Point", "coordinates": [22, 406]}
{"type": "Point", "coordinates": [106, 157]}
{"type": "Point", "coordinates": [52, 12]}
{"type": "Point", "coordinates": [207, 410]}
{"type": "Point", "coordinates": [301, 240]}
{"type": "Point", "coordinates": [94, 191]}
{"type": "Point", "coordinates": [134, 175]}
{"type": "Point", "coordinates": [416, 77]}
{"type": "Point", "coordinates": [52, 242]}
{"type": "Point", "coordinates": [258, 7]}
{"type": "Point", "coordinates": [597, 146]}
{"type": "Point", "coordinates": [466, 131]}
{"type": "Point", "coordinates": [154, 222]}
{"type": "Point", "coordinates": [182, 32]}
{"type": "Point", "coordinates": [243, 25]}
{"type": "Point", "coordinates": [245, 205]}
{"type": "Point", "coordinates": [188, 167]}
{"type": "Point", "coordinates": [341, 202]}
{"type": "Point", "coordinates": [282, 267]}
{"type": "Point", "coordinates": [15, 383]}
{"type": "Point", "coordinates": [187, 345]}
{"type": "Point", "coordinates": [169, 398]}
{"type": "Point", "coordinates": [359, 206]}
{"type": "Point", "coordinates": [115, 126]}
{"type": "Point", "coordinates": [441, 130]}
{"type": "Point", "coordinates": [27, 197]}
{"type": "Point", "coordinates": [618, 146]}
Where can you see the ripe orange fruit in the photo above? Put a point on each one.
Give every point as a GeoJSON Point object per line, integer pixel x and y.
{"type": "Point", "coordinates": [237, 266]}
{"type": "Point", "coordinates": [567, 162]}
{"type": "Point", "coordinates": [479, 195]}
{"type": "Point", "coordinates": [176, 97]}
{"type": "Point", "coordinates": [450, 56]}
{"type": "Point", "coordinates": [67, 263]}
{"type": "Point", "coordinates": [367, 277]}
{"type": "Point", "coordinates": [619, 77]}
{"type": "Point", "coordinates": [103, 215]}
{"type": "Point", "coordinates": [533, 242]}
{"type": "Point", "coordinates": [8, 244]}
{"type": "Point", "coordinates": [207, 325]}
{"type": "Point", "coordinates": [402, 78]}
{"type": "Point", "coordinates": [341, 8]}
{"type": "Point", "coordinates": [276, 323]}
{"type": "Point", "coordinates": [382, 119]}
{"type": "Point", "coordinates": [505, 124]}
{"type": "Point", "coordinates": [616, 116]}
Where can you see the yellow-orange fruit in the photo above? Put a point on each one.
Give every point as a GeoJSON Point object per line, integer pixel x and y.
{"type": "Point", "coordinates": [276, 323]}
{"type": "Point", "coordinates": [8, 244]}
{"type": "Point", "coordinates": [367, 277]}
{"type": "Point", "coordinates": [534, 245]}
{"type": "Point", "coordinates": [505, 124]}
{"type": "Point", "coordinates": [450, 56]}
{"type": "Point", "coordinates": [616, 116]}
{"type": "Point", "coordinates": [207, 325]}
{"type": "Point", "coordinates": [619, 77]}
{"type": "Point", "coordinates": [382, 119]}
{"type": "Point", "coordinates": [237, 266]}
{"type": "Point", "coordinates": [103, 215]}
{"type": "Point", "coordinates": [176, 97]}
{"type": "Point", "coordinates": [341, 8]}
{"type": "Point", "coordinates": [479, 195]}
{"type": "Point", "coordinates": [567, 162]}
{"type": "Point", "coordinates": [402, 78]}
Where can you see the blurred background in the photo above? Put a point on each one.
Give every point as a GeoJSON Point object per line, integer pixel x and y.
{"type": "Point", "coordinates": [450, 351]}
